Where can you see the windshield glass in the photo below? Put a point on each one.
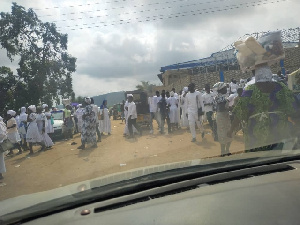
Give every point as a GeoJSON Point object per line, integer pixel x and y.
{"type": "Point", "coordinates": [57, 115]}
{"type": "Point", "coordinates": [142, 84]}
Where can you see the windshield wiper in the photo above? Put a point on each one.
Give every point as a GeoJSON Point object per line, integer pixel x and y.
{"type": "Point", "coordinates": [139, 184]}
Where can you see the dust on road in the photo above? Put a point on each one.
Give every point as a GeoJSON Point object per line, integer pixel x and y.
{"type": "Point", "coordinates": [64, 164]}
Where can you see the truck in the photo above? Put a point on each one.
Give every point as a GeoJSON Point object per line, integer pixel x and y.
{"type": "Point", "coordinates": [142, 107]}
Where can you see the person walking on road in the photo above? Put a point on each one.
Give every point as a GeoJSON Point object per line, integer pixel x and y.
{"type": "Point", "coordinates": [96, 111]}
{"type": "Point", "coordinates": [208, 102]}
{"type": "Point", "coordinates": [152, 101]}
{"type": "Point", "coordinates": [194, 110]}
{"type": "Point", "coordinates": [163, 109]}
{"type": "Point", "coordinates": [33, 135]}
{"type": "Point", "coordinates": [42, 124]}
{"type": "Point", "coordinates": [78, 114]}
{"type": "Point", "coordinates": [49, 126]}
{"type": "Point", "coordinates": [88, 132]}
{"type": "Point", "coordinates": [132, 116]}
{"type": "Point", "coordinates": [106, 124]}
{"type": "Point", "coordinates": [3, 136]}
{"type": "Point", "coordinates": [23, 127]}
{"type": "Point", "coordinates": [12, 131]}
{"type": "Point", "coordinates": [223, 118]}
{"type": "Point", "coordinates": [68, 122]}
{"type": "Point", "coordinates": [173, 112]}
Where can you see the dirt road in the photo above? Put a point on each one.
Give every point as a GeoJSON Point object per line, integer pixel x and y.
{"type": "Point", "coordinates": [64, 164]}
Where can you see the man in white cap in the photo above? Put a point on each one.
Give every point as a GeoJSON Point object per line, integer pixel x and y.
{"type": "Point", "coordinates": [12, 131]}
{"type": "Point", "coordinates": [152, 101]}
{"type": "Point", "coordinates": [132, 116]}
{"type": "Point", "coordinates": [126, 131]}
{"type": "Point", "coordinates": [194, 110]}
{"type": "Point", "coordinates": [183, 105]}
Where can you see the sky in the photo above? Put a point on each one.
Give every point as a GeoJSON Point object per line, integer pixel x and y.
{"type": "Point", "coordinates": [119, 43]}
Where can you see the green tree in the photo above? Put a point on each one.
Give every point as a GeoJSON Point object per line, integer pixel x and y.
{"type": "Point", "coordinates": [45, 67]}
{"type": "Point", "coordinates": [146, 86]}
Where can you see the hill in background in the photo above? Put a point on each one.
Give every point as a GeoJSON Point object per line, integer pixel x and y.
{"type": "Point", "coordinates": [112, 98]}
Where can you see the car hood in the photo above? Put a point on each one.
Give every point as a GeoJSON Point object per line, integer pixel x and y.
{"type": "Point", "coordinates": [22, 202]}
{"type": "Point", "coordinates": [58, 123]}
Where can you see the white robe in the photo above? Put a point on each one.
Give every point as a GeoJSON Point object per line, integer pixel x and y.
{"type": "Point", "coordinates": [126, 130]}
{"type": "Point", "coordinates": [49, 128]}
{"type": "Point", "coordinates": [3, 136]}
{"type": "Point", "coordinates": [173, 114]}
{"type": "Point", "coordinates": [184, 118]}
{"type": "Point", "coordinates": [41, 118]}
{"type": "Point", "coordinates": [105, 124]}
{"type": "Point", "coordinates": [79, 113]}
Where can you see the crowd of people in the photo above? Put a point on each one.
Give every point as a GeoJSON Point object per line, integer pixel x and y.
{"type": "Point", "coordinates": [261, 106]}
{"type": "Point", "coordinates": [34, 125]}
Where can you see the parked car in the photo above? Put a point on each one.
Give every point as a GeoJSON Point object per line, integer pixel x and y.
{"type": "Point", "coordinates": [59, 123]}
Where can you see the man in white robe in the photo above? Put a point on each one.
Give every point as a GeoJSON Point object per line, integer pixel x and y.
{"type": "Point", "coordinates": [194, 104]}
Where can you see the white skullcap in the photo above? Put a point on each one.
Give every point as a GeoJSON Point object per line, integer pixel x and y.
{"type": "Point", "coordinates": [11, 112]}
{"type": "Point", "coordinates": [32, 108]}
{"type": "Point", "coordinates": [88, 100]}
{"type": "Point", "coordinates": [45, 106]}
{"type": "Point", "coordinates": [23, 109]}
{"type": "Point", "coordinates": [129, 95]}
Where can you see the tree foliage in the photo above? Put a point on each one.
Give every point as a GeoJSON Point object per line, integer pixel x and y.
{"type": "Point", "coordinates": [146, 86]}
{"type": "Point", "coordinates": [45, 67]}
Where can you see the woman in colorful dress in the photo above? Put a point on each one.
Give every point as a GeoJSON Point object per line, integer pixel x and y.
{"type": "Point", "coordinates": [265, 107]}
{"type": "Point", "coordinates": [88, 131]}
{"type": "Point", "coordinates": [33, 135]}
{"type": "Point", "coordinates": [222, 117]}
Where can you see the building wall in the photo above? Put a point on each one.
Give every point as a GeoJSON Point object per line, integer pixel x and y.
{"type": "Point", "coordinates": [183, 77]}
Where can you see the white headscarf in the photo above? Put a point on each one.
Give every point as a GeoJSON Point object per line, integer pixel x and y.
{"type": "Point", "coordinates": [263, 73]}
{"type": "Point", "coordinates": [172, 93]}
{"type": "Point", "coordinates": [45, 106]}
{"type": "Point", "coordinates": [23, 109]}
{"type": "Point", "coordinates": [87, 100]}
{"type": "Point", "coordinates": [32, 108]}
{"type": "Point", "coordinates": [11, 112]}
{"type": "Point", "coordinates": [185, 89]}
{"type": "Point", "coordinates": [1, 119]}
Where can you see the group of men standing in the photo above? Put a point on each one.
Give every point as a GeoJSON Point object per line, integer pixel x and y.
{"type": "Point", "coordinates": [185, 109]}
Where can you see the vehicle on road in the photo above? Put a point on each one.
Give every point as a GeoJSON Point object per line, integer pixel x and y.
{"type": "Point", "coordinates": [58, 125]}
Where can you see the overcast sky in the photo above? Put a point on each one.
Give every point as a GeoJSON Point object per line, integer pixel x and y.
{"type": "Point", "coordinates": [115, 57]}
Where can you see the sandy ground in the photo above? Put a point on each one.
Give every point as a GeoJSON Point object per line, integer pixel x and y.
{"type": "Point", "coordinates": [64, 164]}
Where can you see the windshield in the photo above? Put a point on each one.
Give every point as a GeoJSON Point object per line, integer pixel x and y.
{"type": "Point", "coordinates": [144, 83]}
{"type": "Point", "coordinates": [57, 115]}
